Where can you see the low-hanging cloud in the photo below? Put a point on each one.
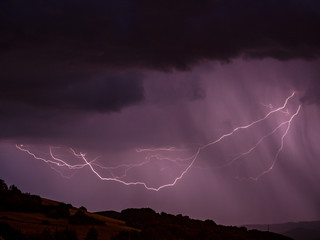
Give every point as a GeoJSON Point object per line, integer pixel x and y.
{"type": "Point", "coordinates": [105, 94]}
{"type": "Point", "coordinates": [141, 34]}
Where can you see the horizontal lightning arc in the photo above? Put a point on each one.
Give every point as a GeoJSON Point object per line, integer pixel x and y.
{"type": "Point", "coordinates": [82, 156]}
{"type": "Point", "coordinates": [92, 164]}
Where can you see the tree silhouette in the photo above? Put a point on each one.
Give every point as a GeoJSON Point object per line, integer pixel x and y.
{"type": "Point", "coordinates": [14, 189]}
{"type": "Point", "coordinates": [3, 186]}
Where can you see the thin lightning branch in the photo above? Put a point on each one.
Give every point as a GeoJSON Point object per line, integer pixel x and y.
{"type": "Point", "coordinates": [241, 155]}
{"type": "Point", "coordinates": [249, 125]}
{"type": "Point", "coordinates": [21, 147]}
{"type": "Point", "coordinates": [270, 106]}
{"type": "Point", "coordinates": [60, 162]}
{"type": "Point", "coordinates": [281, 146]}
{"type": "Point", "coordinates": [136, 183]}
{"type": "Point", "coordinates": [56, 161]}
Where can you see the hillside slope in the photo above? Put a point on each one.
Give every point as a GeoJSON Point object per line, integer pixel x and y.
{"type": "Point", "coordinates": [30, 217]}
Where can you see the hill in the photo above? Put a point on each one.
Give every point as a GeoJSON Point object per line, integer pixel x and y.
{"type": "Point", "coordinates": [167, 226]}
{"type": "Point", "coordinates": [296, 230]}
{"type": "Point", "coordinates": [29, 217]}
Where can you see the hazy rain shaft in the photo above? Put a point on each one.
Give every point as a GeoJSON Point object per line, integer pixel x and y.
{"type": "Point", "coordinates": [137, 91]}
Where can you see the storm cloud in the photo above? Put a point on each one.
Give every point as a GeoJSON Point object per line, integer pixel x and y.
{"type": "Point", "coordinates": [63, 90]}
{"type": "Point", "coordinates": [59, 59]}
{"type": "Point", "coordinates": [50, 48]}
{"type": "Point", "coordinates": [162, 34]}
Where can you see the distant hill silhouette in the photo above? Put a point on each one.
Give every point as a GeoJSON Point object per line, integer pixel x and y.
{"type": "Point", "coordinates": [296, 230]}
{"type": "Point", "coordinates": [303, 234]}
{"type": "Point", "coordinates": [167, 226]}
{"type": "Point", "coordinates": [28, 217]}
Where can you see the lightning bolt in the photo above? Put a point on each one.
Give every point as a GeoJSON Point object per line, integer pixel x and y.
{"type": "Point", "coordinates": [280, 148]}
{"type": "Point", "coordinates": [187, 162]}
{"type": "Point", "coordinates": [241, 155]}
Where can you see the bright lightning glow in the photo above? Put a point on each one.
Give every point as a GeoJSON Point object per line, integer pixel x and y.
{"type": "Point", "coordinates": [153, 154]}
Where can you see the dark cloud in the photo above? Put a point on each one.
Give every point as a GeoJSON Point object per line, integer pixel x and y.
{"type": "Point", "coordinates": [162, 34]}
{"type": "Point", "coordinates": [45, 111]}
{"type": "Point", "coordinates": [57, 58]}
{"type": "Point", "coordinates": [96, 93]}
{"type": "Point", "coordinates": [38, 38]}
{"type": "Point", "coordinates": [32, 78]}
{"type": "Point", "coordinates": [38, 98]}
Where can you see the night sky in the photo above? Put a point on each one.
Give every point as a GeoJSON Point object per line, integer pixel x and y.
{"type": "Point", "coordinates": [143, 89]}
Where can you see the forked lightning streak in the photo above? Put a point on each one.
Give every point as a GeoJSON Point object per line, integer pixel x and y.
{"type": "Point", "coordinates": [163, 154]}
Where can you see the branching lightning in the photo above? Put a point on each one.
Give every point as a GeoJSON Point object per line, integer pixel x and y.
{"type": "Point", "coordinates": [288, 123]}
{"type": "Point", "coordinates": [163, 154]}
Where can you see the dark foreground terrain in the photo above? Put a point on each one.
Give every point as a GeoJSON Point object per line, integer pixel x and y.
{"type": "Point", "coordinates": [29, 217]}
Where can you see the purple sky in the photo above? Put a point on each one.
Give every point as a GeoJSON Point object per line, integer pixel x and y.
{"type": "Point", "coordinates": [106, 78]}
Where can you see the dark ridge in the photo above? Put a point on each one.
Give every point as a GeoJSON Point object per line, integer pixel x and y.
{"type": "Point", "coordinates": [141, 224]}
{"type": "Point", "coordinates": [167, 226]}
